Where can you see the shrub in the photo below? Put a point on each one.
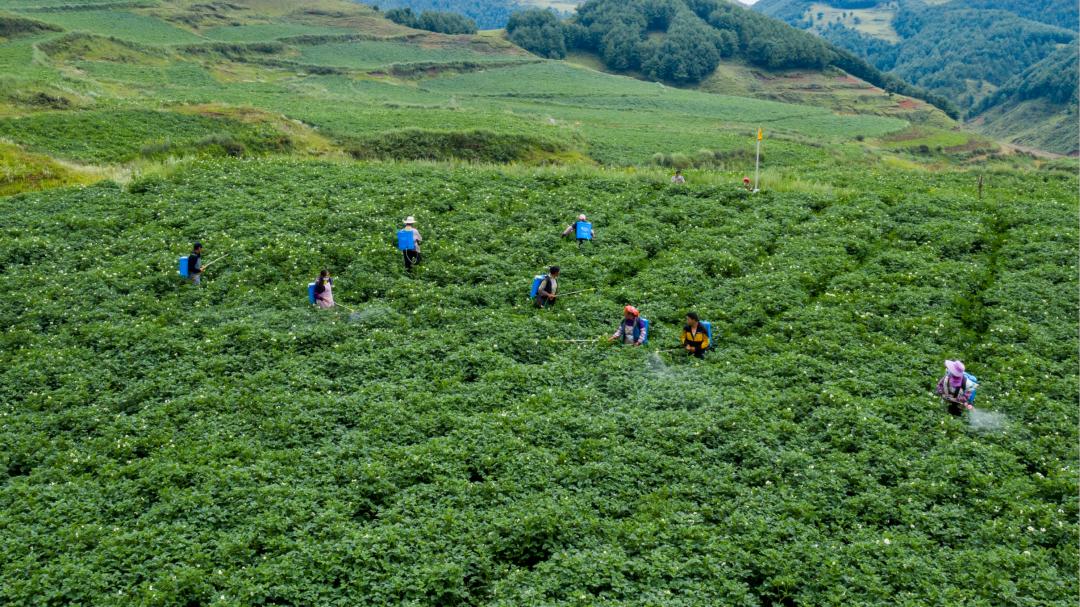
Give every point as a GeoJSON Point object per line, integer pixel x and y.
{"type": "Point", "coordinates": [680, 161]}
{"type": "Point", "coordinates": [472, 146]}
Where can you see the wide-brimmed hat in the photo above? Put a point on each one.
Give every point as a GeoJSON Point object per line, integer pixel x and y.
{"type": "Point", "coordinates": [956, 372]}
{"type": "Point", "coordinates": [410, 219]}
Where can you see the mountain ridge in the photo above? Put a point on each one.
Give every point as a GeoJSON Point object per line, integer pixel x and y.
{"type": "Point", "coordinates": [964, 49]}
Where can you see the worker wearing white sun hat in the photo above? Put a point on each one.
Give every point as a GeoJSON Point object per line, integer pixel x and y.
{"type": "Point", "coordinates": [408, 241]}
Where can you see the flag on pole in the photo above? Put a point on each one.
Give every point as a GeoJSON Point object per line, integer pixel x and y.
{"type": "Point", "coordinates": [757, 161]}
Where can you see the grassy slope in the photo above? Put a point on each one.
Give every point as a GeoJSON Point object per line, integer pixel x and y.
{"type": "Point", "coordinates": [354, 88]}
{"type": "Point", "coordinates": [1035, 123]}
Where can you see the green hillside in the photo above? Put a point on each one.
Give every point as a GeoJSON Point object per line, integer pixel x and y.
{"type": "Point", "coordinates": [1038, 107]}
{"type": "Point", "coordinates": [435, 440]}
{"type": "Point", "coordinates": [973, 52]}
{"type": "Point", "coordinates": [320, 83]}
{"type": "Point", "coordinates": [684, 42]}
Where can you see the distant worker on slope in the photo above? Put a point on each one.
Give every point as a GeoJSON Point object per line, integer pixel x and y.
{"type": "Point", "coordinates": [194, 268]}
{"type": "Point", "coordinates": [695, 337]}
{"type": "Point", "coordinates": [408, 241]}
{"type": "Point", "coordinates": [678, 178]}
{"type": "Point", "coordinates": [633, 329]}
{"type": "Point", "coordinates": [957, 387]}
{"type": "Point", "coordinates": [581, 229]}
{"type": "Point", "coordinates": [324, 290]}
{"type": "Point", "coordinates": [746, 184]}
{"type": "Point", "coordinates": [548, 289]}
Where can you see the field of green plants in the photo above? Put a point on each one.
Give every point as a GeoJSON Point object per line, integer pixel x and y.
{"type": "Point", "coordinates": [116, 136]}
{"type": "Point", "coordinates": [435, 440]}
{"type": "Point", "coordinates": [434, 444]}
{"type": "Point", "coordinates": [127, 25]}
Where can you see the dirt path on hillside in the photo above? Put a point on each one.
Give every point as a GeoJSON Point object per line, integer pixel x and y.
{"type": "Point", "coordinates": [1036, 152]}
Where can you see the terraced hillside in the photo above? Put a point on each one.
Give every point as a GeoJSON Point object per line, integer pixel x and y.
{"type": "Point", "coordinates": [333, 79]}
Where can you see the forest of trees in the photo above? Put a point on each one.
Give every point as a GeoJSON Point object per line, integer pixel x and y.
{"type": "Point", "coordinates": [432, 21]}
{"type": "Point", "coordinates": [486, 14]}
{"type": "Point", "coordinates": [1055, 79]}
{"type": "Point", "coordinates": [538, 31]}
{"type": "Point", "coordinates": [683, 41]}
{"type": "Point", "coordinates": [962, 50]}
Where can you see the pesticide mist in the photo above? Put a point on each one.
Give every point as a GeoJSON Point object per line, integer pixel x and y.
{"type": "Point", "coordinates": [987, 421]}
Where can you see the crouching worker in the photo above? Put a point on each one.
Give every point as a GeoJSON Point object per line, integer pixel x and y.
{"type": "Point", "coordinates": [633, 329]}
{"type": "Point", "coordinates": [957, 387]}
{"type": "Point", "coordinates": [548, 289]}
{"type": "Point", "coordinates": [581, 229]}
{"type": "Point", "coordinates": [324, 290]}
{"type": "Point", "coordinates": [695, 338]}
{"type": "Point", "coordinates": [409, 239]}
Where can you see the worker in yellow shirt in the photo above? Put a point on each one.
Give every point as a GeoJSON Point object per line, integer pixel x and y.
{"type": "Point", "coordinates": [695, 336]}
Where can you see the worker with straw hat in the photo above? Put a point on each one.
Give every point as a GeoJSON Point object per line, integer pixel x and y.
{"type": "Point", "coordinates": [957, 387]}
{"type": "Point", "coordinates": [409, 243]}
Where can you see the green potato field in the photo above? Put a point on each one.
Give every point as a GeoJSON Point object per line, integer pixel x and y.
{"type": "Point", "coordinates": [435, 439]}
{"type": "Point", "coordinates": [434, 443]}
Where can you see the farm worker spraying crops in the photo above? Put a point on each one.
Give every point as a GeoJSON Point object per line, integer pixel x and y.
{"type": "Point", "coordinates": [409, 239]}
{"type": "Point", "coordinates": [548, 289]}
{"type": "Point", "coordinates": [633, 329]}
{"type": "Point", "coordinates": [957, 387]}
{"type": "Point", "coordinates": [194, 264]}
{"type": "Point", "coordinates": [324, 290]}
{"type": "Point", "coordinates": [694, 336]}
{"type": "Point", "coordinates": [581, 229]}
{"type": "Point", "coordinates": [678, 178]}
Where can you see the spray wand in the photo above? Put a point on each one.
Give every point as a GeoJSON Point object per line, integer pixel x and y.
{"type": "Point", "coordinates": [207, 264]}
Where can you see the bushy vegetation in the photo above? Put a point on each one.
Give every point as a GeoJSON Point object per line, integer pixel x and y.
{"type": "Point", "coordinates": [433, 21]}
{"type": "Point", "coordinates": [170, 445]}
{"type": "Point", "coordinates": [471, 146]}
{"type": "Point", "coordinates": [538, 31]}
{"type": "Point", "coordinates": [24, 172]}
{"type": "Point", "coordinates": [487, 14]}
